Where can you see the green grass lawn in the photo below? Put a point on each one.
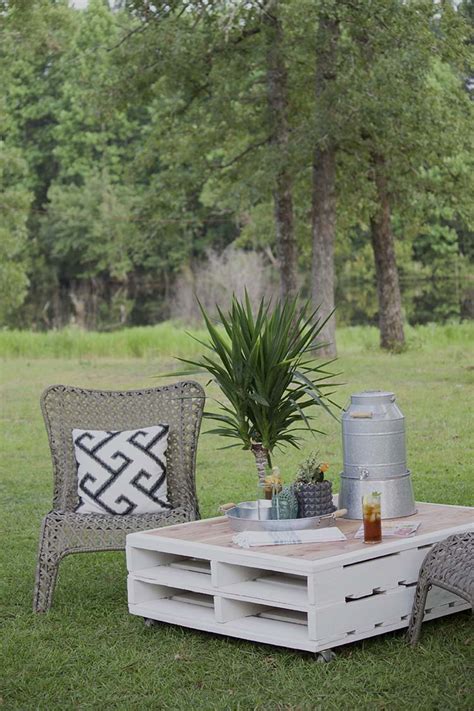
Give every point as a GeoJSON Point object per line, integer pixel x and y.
{"type": "Point", "coordinates": [89, 653]}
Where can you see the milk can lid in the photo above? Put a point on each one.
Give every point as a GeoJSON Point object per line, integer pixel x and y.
{"type": "Point", "coordinates": [367, 396]}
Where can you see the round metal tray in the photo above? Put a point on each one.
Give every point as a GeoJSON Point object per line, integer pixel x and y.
{"type": "Point", "coordinates": [256, 516]}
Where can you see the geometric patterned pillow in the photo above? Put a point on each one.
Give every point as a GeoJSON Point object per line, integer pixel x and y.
{"type": "Point", "coordinates": [122, 472]}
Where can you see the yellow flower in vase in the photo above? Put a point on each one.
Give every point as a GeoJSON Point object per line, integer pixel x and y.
{"type": "Point", "coordinates": [273, 483]}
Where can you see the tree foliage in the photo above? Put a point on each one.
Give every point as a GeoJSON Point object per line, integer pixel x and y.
{"type": "Point", "coordinates": [14, 210]}
{"type": "Point", "coordinates": [136, 140]}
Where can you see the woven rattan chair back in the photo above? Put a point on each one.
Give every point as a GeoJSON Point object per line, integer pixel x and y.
{"type": "Point", "coordinates": [63, 531]}
{"type": "Point", "coordinates": [179, 406]}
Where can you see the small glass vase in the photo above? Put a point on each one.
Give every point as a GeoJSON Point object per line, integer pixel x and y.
{"type": "Point", "coordinates": [261, 499]}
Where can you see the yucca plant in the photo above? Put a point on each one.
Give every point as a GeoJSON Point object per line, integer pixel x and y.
{"type": "Point", "coordinates": [264, 365]}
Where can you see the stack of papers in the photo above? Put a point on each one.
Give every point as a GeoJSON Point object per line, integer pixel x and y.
{"type": "Point", "coordinates": [247, 539]}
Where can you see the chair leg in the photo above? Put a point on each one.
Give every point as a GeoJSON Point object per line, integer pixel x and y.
{"type": "Point", "coordinates": [49, 557]}
{"type": "Point", "coordinates": [418, 610]}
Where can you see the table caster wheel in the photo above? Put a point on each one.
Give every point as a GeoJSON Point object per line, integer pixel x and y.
{"type": "Point", "coordinates": [149, 622]}
{"type": "Point", "coordinates": [325, 656]}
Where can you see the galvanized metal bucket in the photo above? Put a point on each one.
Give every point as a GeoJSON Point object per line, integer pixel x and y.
{"type": "Point", "coordinates": [374, 452]}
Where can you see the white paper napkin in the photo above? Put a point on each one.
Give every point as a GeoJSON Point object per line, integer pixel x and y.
{"type": "Point", "coordinates": [247, 539]}
{"type": "Point", "coordinates": [399, 530]}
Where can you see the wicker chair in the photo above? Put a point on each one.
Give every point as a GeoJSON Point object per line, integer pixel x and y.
{"type": "Point", "coordinates": [63, 531]}
{"type": "Point", "coordinates": [449, 565]}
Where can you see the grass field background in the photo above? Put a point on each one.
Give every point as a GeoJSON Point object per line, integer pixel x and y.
{"type": "Point", "coordinates": [89, 653]}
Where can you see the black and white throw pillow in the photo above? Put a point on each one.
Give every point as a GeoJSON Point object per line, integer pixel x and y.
{"type": "Point", "coordinates": [122, 472]}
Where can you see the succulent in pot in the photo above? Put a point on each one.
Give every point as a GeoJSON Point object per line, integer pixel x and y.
{"type": "Point", "coordinates": [313, 491]}
{"type": "Point", "coordinates": [263, 362]}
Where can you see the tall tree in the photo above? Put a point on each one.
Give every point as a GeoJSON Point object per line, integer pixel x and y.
{"type": "Point", "coordinates": [33, 36]}
{"type": "Point", "coordinates": [77, 146]}
{"type": "Point", "coordinates": [397, 126]}
{"type": "Point", "coordinates": [238, 134]}
{"type": "Point", "coordinates": [323, 214]}
{"type": "Point", "coordinates": [278, 101]}
{"type": "Point", "coordinates": [90, 235]}
{"type": "Point", "coordinates": [14, 207]}
{"type": "Point", "coordinates": [392, 336]}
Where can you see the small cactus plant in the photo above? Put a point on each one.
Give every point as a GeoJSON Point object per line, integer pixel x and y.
{"type": "Point", "coordinates": [313, 492]}
{"type": "Point", "coordinates": [285, 504]}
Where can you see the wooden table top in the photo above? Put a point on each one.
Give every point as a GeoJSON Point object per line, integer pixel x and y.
{"type": "Point", "coordinates": [433, 518]}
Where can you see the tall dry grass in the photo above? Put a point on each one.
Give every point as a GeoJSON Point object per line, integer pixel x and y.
{"type": "Point", "coordinates": [170, 339]}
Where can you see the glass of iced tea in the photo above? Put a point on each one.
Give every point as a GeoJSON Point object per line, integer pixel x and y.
{"type": "Point", "coordinates": [372, 517]}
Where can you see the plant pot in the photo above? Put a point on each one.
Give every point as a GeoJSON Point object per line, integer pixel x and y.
{"type": "Point", "coordinates": [314, 499]}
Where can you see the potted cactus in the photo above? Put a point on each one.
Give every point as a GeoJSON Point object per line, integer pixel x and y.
{"type": "Point", "coordinates": [313, 491]}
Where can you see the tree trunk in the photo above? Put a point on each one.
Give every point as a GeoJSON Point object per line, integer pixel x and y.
{"type": "Point", "coordinates": [83, 294]}
{"type": "Point", "coordinates": [388, 289]}
{"type": "Point", "coordinates": [323, 231]}
{"type": "Point", "coordinates": [323, 214]}
{"type": "Point", "coordinates": [79, 303]}
{"type": "Point", "coordinates": [277, 92]}
{"type": "Point", "coordinates": [262, 460]}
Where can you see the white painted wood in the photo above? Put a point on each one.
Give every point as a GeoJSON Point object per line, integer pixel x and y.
{"type": "Point", "coordinates": [263, 559]}
{"type": "Point", "coordinates": [365, 613]}
{"type": "Point", "coordinates": [443, 610]}
{"type": "Point", "coordinates": [360, 578]}
{"type": "Point", "coordinates": [226, 574]}
{"type": "Point", "coordinates": [269, 588]}
{"type": "Point", "coordinates": [257, 582]}
{"type": "Point", "coordinates": [268, 561]}
{"type": "Point", "coordinates": [168, 575]}
{"type": "Point", "coordinates": [195, 565]}
{"type": "Point", "coordinates": [255, 595]}
{"type": "Point", "coordinates": [257, 629]}
{"type": "Point", "coordinates": [176, 612]}
{"type": "Point", "coordinates": [193, 598]}
{"type": "Point", "coordinates": [255, 558]}
{"type": "Point", "coordinates": [437, 598]}
{"type": "Point", "coordinates": [142, 592]}
{"type": "Point", "coordinates": [294, 616]}
{"type": "Point", "coordinates": [228, 610]}
{"type": "Point", "coordinates": [285, 634]}
{"type": "Point", "coordinates": [424, 541]}
{"type": "Point", "coordinates": [335, 641]}
{"type": "Point", "coordinates": [293, 605]}
{"type": "Point", "coordinates": [238, 556]}
{"type": "Point", "coordinates": [138, 558]}
{"type": "Point", "coordinates": [284, 581]}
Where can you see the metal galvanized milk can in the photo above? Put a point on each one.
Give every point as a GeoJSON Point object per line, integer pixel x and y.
{"type": "Point", "coordinates": [374, 452]}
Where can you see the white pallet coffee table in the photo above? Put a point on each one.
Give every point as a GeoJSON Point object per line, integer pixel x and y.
{"type": "Point", "coordinates": [311, 597]}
